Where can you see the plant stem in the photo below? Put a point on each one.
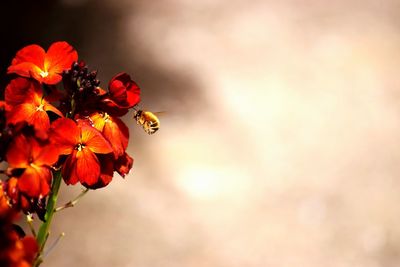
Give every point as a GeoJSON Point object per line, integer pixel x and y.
{"type": "Point", "coordinates": [73, 202]}
{"type": "Point", "coordinates": [50, 209]}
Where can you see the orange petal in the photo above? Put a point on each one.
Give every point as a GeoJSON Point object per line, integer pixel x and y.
{"type": "Point", "coordinates": [28, 112]}
{"type": "Point", "coordinates": [51, 78]}
{"type": "Point", "coordinates": [69, 169]}
{"type": "Point", "coordinates": [35, 182]}
{"type": "Point", "coordinates": [98, 121]}
{"type": "Point", "coordinates": [20, 89]}
{"type": "Point", "coordinates": [65, 134]}
{"type": "Point", "coordinates": [87, 167]}
{"type": "Point", "coordinates": [60, 57]}
{"type": "Point", "coordinates": [30, 248]}
{"type": "Point", "coordinates": [50, 107]}
{"type": "Point", "coordinates": [26, 59]}
{"type": "Point", "coordinates": [31, 53]}
{"type": "Point", "coordinates": [43, 155]}
{"type": "Point", "coordinates": [116, 132]}
{"type": "Point", "coordinates": [106, 171]}
{"type": "Point", "coordinates": [19, 152]}
{"type": "Point", "coordinates": [123, 164]}
{"type": "Point", "coordinates": [94, 140]}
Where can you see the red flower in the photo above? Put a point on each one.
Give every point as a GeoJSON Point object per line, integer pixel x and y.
{"type": "Point", "coordinates": [34, 159]}
{"type": "Point", "coordinates": [81, 142]}
{"type": "Point", "coordinates": [26, 103]}
{"type": "Point", "coordinates": [124, 93]}
{"type": "Point", "coordinates": [114, 130]}
{"type": "Point", "coordinates": [15, 251]}
{"type": "Point", "coordinates": [33, 61]}
{"type": "Point", "coordinates": [15, 198]}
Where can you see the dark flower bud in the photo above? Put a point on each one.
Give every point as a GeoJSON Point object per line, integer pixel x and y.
{"type": "Point", "coordinates": [93, 74]}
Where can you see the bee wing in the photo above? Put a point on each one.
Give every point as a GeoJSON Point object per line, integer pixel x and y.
{"type": "Point", "coordinates": [160, 113]}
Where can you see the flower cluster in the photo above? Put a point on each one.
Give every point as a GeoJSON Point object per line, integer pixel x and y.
{"type": "Point", "coordinates": [16, 250]}
{"type": "Point", "coordinates": [56, 120]}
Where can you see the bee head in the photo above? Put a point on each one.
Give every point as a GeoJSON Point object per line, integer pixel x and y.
{"type": "Point", "coordinates": [137, 114]}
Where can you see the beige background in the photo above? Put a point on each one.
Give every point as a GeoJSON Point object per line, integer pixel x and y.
{"type": "Point", "coordinates": [280, 145]}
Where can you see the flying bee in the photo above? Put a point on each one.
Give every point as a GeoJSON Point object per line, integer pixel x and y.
{"type": "Point", "coordinates": [148, 120]}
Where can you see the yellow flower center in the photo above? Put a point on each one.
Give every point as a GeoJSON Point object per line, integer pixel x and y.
{"type": "Point", "coordinates": [33, 165]}
{"type": "Point", "coordinates": [44, 74]}
{"type": "Point", "coordinates": [107, 118]}
{"type": "Point", "coordinates": [40, 108]}
{"type": "Point", "coordinates": [80, 147]}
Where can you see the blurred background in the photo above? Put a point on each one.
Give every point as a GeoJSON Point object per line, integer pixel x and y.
{"type": "Point", "coordinates": [280, 142]}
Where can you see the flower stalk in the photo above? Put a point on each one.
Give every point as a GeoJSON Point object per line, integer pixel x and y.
{"type": "Point", "coordinates": [50, 210]}
{"type": "Point", "coordinates": [73, 202]}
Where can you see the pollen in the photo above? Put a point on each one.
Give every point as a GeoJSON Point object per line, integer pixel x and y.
{"type": "Point", "coordinates": [106, 118]}
{"type": "Point", "coordinates": [80, 147]}
{"type": "Point", "coordinates": [33, 165]}
{"type": "Point", "coordinates": [40, 108]}
{"type": "Point", "coordinates": [44, 74]}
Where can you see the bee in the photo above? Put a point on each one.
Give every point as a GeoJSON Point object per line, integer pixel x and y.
{"type": "Point", "coordinates": [148, 120]}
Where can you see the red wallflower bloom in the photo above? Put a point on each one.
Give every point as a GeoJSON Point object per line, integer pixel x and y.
{"type": "Point", "coordinates": [20, 201]}
{"type": "Point", "coordinates": [114, 130]}
{"type": "Point", "coordinates": [117, 133]}
{"type": "Point", "coordinates": [34, 159]}
{"type": "Point", "coordinates": [26, 103]}
{"type": "Point", "coordinates": [124, 93]}
{"type": "Point", "coordinates": [16, 199]}
{"type": "Point", "coordinates": [33, 61]}
{"type": "Point", "coordinates": [81, 142]}
{"type": "Point", "coordinates": [15, 251]}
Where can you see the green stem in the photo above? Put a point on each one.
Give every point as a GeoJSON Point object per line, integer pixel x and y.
{"type": "Point", "coordinates": [50, 210]}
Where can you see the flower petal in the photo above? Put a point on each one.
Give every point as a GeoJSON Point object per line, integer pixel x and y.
{"type": "Point", "coordinates": [29, 113]}
{"type": "Point", "coordinates": [69, 169]}
{"type": "Point", "coordinates": [87, 167]}
{"type": "Point", "coordinates": [19, 152]}
{"type": "Point", "coordinates": [113, 129]}
{"type": "Point", "coordinates": [98, 121]}
{"type": "Point", "coordinates": [20, 89]}
{"type": "Point", "coordinates": [44, 155]}
{"type": "Point", "coordinates": [123, 164]}
{"type": "Point", "coordinates": [51, 78]}
{"type": "Point", "coordinates": [35, 182]}
{"type": "Point", "coordinates": [118, 90]}
{"type": "Point", "coordinates": [59, 57]}
{"type": "Point", "coordinates": [50, 107]}
{"type": "Point", "coordinates": [65, 134]}
{"type": "Point", "coordinates": [28, 59]}
{"type": "Point", "coordinates": [33, 61]}
{"type": "Point", "coordinates": [106, 171]}
{"type": "Point", "coordinates": [124, 91]}
{"type": "Point", "coordinates": [117, 133]}
{"type": "Point", "coordinates": [94, 140]}
{"type": "Point", "coordinates": [31, 247]}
